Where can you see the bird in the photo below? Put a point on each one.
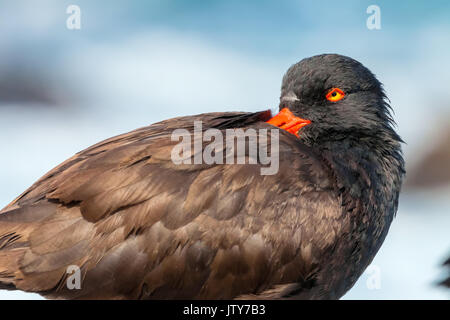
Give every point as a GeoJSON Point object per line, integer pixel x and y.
{"type": "Point", "coordinates": [137, 225]}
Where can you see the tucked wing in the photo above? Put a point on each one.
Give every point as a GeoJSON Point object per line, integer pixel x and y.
{"type": "Point", "coordinates": [140, 226]}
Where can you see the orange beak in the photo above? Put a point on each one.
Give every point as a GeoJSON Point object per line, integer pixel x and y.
{"type": "Point", "coordinates": [286, 120]}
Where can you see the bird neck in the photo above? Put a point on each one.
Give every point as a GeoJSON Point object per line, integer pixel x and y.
{"type": "Point", "coordinates": [377, 150]}
{"type": "Point", "coordinates": [363, 162]}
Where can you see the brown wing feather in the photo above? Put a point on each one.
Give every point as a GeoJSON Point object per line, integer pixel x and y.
{"type": "Point", "coordinates": [141, 227]}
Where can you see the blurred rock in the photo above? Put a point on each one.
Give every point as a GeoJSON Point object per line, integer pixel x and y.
{"type": "Point", "coordinates": [25, 84]}
{"type": "Point", "coordinates": [446, 282]}
{"type": "Point", "coordinates": [22, 89]}
{"type": "Point", "coordinates": [433, 169]}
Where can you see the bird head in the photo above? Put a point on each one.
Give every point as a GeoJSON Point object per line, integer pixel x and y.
{"type": "Point", "coordinates": [335, 96]}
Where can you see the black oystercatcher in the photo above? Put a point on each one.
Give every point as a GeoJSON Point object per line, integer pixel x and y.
{"type": "Point", "coordinates": [140, 226]}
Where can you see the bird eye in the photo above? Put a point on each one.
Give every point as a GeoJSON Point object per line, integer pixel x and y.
{"type": "Point", "coordinates": [335, 94]}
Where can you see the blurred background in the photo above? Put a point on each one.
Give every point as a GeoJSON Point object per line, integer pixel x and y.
{"type": "Point", "coordinates": [133, 63]}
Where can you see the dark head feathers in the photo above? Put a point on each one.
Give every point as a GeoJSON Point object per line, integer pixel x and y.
{"type": "Point", "coordinates": [364, 111]}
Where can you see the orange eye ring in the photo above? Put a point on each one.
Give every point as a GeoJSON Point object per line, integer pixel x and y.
{"type": "Point", "coordinates": [335, 94]}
